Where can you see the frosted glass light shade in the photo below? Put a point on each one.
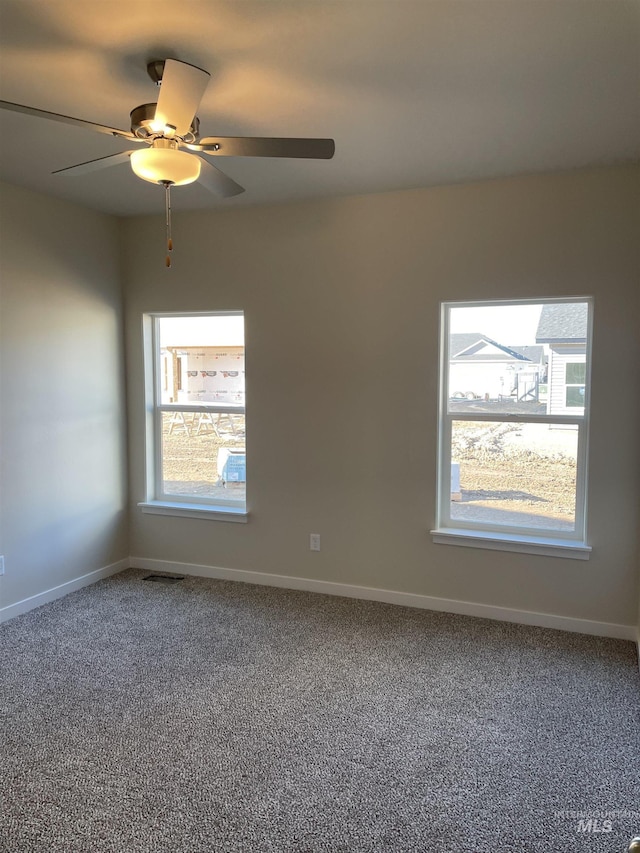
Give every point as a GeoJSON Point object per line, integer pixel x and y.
{"type": "Point", "coordinates": [158, 165]}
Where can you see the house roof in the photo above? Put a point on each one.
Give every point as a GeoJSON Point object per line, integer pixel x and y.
{"type": "Point", "coordinates": [468, 346]}
{"type": "Point", "coordinates": [562, 322]}
{"type": "Point", "coordinates": [533, 352]}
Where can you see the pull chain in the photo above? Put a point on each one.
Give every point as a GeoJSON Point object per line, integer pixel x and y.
{"type": "Point", "coordinates": [167, 195]}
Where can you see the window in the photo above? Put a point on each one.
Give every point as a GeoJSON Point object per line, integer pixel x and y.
{"type": "Point", "coordinates": [575, 377]}
{"type": "Point", "coordinates": [196, 452]}
{"type": "Point", "coordinates": [514, 410]}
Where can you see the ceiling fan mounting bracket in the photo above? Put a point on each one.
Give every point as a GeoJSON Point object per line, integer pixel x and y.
{"type": "Point", "coordinates": [155, 70]}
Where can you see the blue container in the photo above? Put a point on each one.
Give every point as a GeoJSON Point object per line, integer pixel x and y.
{"type": "Point", "coordinates": [232, 465]}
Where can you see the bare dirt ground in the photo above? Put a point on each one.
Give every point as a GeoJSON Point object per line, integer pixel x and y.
{"type": "Point", "coordinates": [190, 454]}
{"type": "Point", "coordinates": [515, 474]}
{"type": "Point", "coordinates": [519, 474]}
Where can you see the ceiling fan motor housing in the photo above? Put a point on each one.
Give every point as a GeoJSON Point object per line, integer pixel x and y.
{"type": "Point", "coordinates": [142, 120]}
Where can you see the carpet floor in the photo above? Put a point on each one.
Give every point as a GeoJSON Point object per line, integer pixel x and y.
{"type": "Point", "coordinates": [212, 716]}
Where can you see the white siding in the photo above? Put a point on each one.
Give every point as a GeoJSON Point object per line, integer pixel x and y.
{"type": "Point", "coordinates": [481, 379]}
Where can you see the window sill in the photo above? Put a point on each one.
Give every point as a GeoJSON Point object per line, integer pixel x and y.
{"type": "Point", "coordinates": [543, 546]}
{"type": "Point", "coordinates": [212, 512]}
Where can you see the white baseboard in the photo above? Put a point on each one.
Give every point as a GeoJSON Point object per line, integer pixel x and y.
{"type": "Point", "coordinates": [20, 607]}
{"type": "Point", "coordinates": [407, 599]}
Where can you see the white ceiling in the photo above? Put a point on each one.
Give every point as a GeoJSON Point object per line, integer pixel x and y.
{"type": "Point", "coordinates": [414, 93]}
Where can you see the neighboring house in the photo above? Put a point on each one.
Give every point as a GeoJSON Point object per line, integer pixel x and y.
{"type": "Point", "coordinates": [563, 327]}
{"type": "Point", "coordinates": [203, 374]}
{"type": "Point", "coordinates": [481, 367]}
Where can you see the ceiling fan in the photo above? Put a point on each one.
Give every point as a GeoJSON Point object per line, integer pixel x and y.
{"type": "Point", "coordinates": [169, 130]}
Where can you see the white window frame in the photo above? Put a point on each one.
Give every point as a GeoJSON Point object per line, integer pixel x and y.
{"type": "Point", "coordinates": [159, 502]}
{"type": "Point", "coordinates": [449, 531]}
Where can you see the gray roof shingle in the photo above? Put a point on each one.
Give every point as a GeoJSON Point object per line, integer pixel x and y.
{"type": "Point", "coordinates": [562, 322]}
{"type": "Point", "coordinates": [532, 352]}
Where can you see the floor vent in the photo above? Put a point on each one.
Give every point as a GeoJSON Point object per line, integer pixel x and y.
{"type": "Point", "coordinates": [164, 578]}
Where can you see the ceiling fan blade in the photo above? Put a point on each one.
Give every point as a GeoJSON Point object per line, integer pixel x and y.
{"type": "Point", "coordinates": [94, 165]}
{"type": "Point", "coordinates": [88, 125]}
{"type": "Point", "coordinates": [259, 146]}
{"type": "Point", "coordinates": [217, 182]}
{"type": "Point", "coordinates": [181, 91]}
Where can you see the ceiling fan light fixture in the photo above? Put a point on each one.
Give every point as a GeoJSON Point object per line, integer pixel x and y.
{"type": "Point", "coordinates": [171, 123]}
{"type": "Point", "coordinates": [160, 165]}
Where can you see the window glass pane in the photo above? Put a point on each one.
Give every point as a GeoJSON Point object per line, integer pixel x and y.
{"type": "Point", "coordinates": [512, 359]}
{"type": "Point", "coordinates": [521, 475]}
{"type": "Point", "coordinates": [495, 364]}
{"type": "Point", "coordinates": [203, 455]}
{"type": "Point", "coordinates": [201, 360]}
{"type": "Point", "coordinates": [576, 374]}
{"type": "Point", "coordinates": [575, 396]}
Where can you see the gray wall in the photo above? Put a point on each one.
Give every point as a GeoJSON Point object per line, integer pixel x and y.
{"type": "Point", "coordinates": [63, 465]}
{"type": "Point", "coordinates": [341, 300]}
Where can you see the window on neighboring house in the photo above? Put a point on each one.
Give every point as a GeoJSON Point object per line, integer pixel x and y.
{"type": "Point", "coordinates": [575, 378]}
{"type": "Point", "coordinates": [514, 411]}
{"type": "Point", "coordinates": [196, 453]}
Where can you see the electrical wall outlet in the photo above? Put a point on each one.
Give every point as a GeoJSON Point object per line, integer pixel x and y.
{"type": "Point", "coordinates": [314, 541]}
{"type": "Point", "coordinates": [2, 564]}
